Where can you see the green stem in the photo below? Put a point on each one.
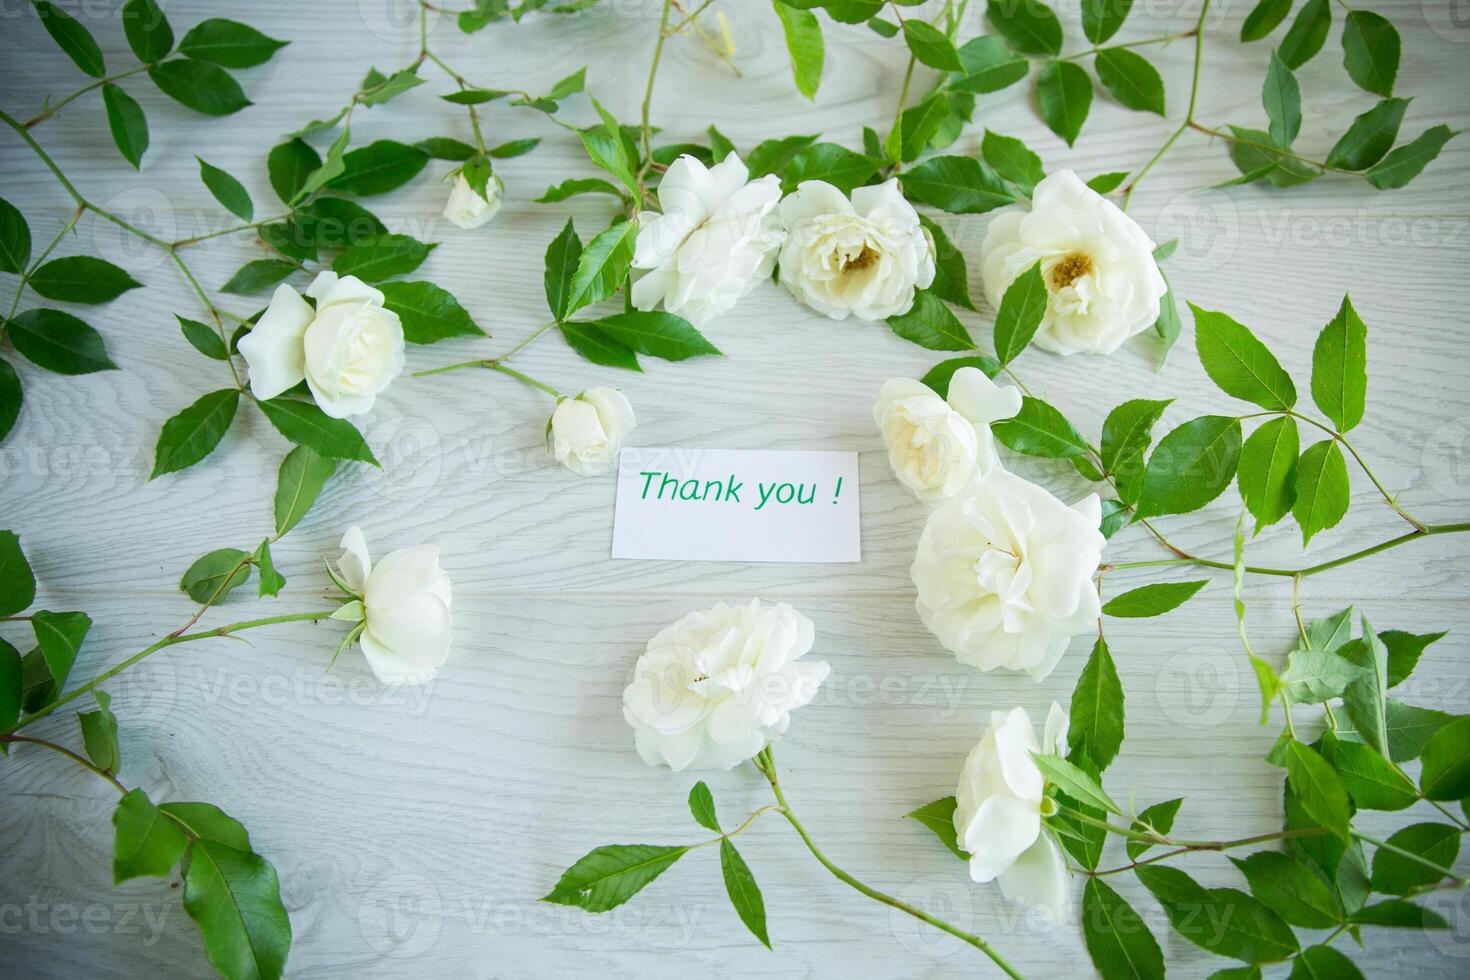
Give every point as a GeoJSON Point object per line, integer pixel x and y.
{"type": "Point", "coordinates": [1362, 463]}
{"type": "Point", "coordinates": [1410, 856]}
{"type": "Point", "coordinates": [646, 134]}
{"type": "Point", "coordinates": [73, 756]}
{"type": "Point", "coordinates": [1223, 845]}
{"type": "Point", "coordinates": [493, 365]}
{"type": "Point", "coordinates": [1199, 48]}
{"type": "Point", "coordinates": [25, 276]}
{"type": "Point", "coordinates": [738, 830]}
{"type": "Point", "coordinates": [171, 640]}
{"type": "Point", "coordinates": [766, 763]}
{"type": "Point", "coordinates": [1161, 39]}
{"type": "Point", "coordinates": [691, 18]}
{"type": "Point", "coordinates": [53, 110]}
{"type": "Point", "coordinates": [1276, 150]}
{"type": "Point", "coordinates": [525, 343]}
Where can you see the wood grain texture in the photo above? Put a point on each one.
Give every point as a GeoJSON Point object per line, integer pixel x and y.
{"type": "Point", "coordinates": [415, 829]}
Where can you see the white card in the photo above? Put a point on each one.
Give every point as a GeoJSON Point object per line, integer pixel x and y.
{"type": "Point", "coordinates": [737, 505]}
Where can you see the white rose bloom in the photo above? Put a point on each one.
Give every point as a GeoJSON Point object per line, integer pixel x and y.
{"type": "Point", "coordinates": [1004, 573]}
{"type": "Point", "coordinates": [587, 431]}
{"type": "Point", "coordinates": [348, 349]}
{"type": "Point", "coordinates": [715, 240]}
{"type": "Point", "coordinates": [1098, 265]}
{"type": "Point", "coordinates": [717, 687]}
{"type": "Point", "coordinates": [405, 599]}
{"type": "Point", "coordinates": [863, 257]}
{"type": "Point", "coordinates": [938, 448]}
{"type": "Point", "coordinates": [469, 210]}
{"type": "Point", "coordinates": [997, 816]}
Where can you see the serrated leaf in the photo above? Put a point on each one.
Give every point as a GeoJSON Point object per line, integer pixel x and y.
{"type": "Point", "coordinates": [71, 37]}
{"type": "Point", "coordinates": [307, 425]}
{"type": "Point", "coordinates": [608, 876]}
{"type": "Point", "coordinates": [1290, 889]}
{"type": "Point", "coordinates": [429, 312]}
{"type": "Point", "coordinates": [1096, 729]}
{"type": "Point", "coordinates": [1318, 788]}
{"type": "Point", "coordinates": [216, 574]}
{"type": "Point", "coordinates": [930, 324]}
{"type": "Point", "coordinates": [1022, 308]}
{"type": "Point", "coordinates": [17, 581]}
{"type": "Point", "coordinates": [1191, 466]}
{"type": "Point", "coordinates": [1340, 368]}
{"type": "Point", "coordinates": [199, 85]}
{"type": "Point", "coordinates": [1282, 97]}
{"type": "Point", "coordinates": [99, 732]}
{"type": "Point", "coordinates": [1405, 162]}
{"type": "Point", "coordinates": [804, 43]}
{"type": "Point", "coordinates": [289, 164]}
{"type": "Point", "coordinates": [744, 894]}
{"type": "Point", "coordinates": [378, 168]}
{"type": "Point", "coordinates": [990, 65]}
{"type": "Point", "coordinates": [702, 806]}
{"type": "Point", "coordinates": [1126, 434]}
{"type": "Point", "coordinates": [1118, 939]}
{"type": "Point", "coordinates": [1446, 772]}
{"type": "Point", "coordinates": [1315, 676]}
{"type": "Point", "coordinates": [1064, 91]}
{"type": "Point", "coordinates": [299, 482]}
{"type": "Point", "coordinates": [1264, 18]}
{"type": "Point", "coordinates": [951, 272]}
{"type": "Point", "coordinates": [930, 45]}
{"type": "Point", "coordinates": [193, 434]}
{"type": "Point", "coordinates": [15, 239]}
{"type": "Point", "coordinates": [1131, 79]}
{"type": "Point", "coordinates": [1307, 33]}
{"type": "Point", "coordinates": [145, 842]}
{"type": "Point", "coordinates": [1075, 782]}
{"type": "Point", "coordinates": [1152, 600]}
{"type": "Point", "coordinates": [959, 185]}
{"type": "Point", "coordinates": [1224, 921]}
{"type": "Point", "coordinates": [82, 279]}
{"type": "Point", "coordinates": [1032, 28]}
{"type": "Point", "coordinates": [229, 43]}
{"type": "Point", "coordinates": [235, 898]}
{"type": "Point", "coordinates": [1369, 137]}
{"type": "Point", "coordinates": [1038, 429]}
{"type": "Point", "coordinates": [602, 267]}
{"type": "Point", "coordinates": [147, 30]}
{"type": "Point", "coordinates": [1267, 471]}
{"type": "Point", "coordinates": [844, 169]}
{"type": "Point", "coordinates": [209, 822]}
{"type": "Point", "coordinates": [382, 258]}
{"type": "Point", "coordinates": [59, 342]}
{"type": "Point", "coordinates": [1437, 843]}
{"type": "Point", "coordinates": [127, 123]}
{"type": "Point", "coordinates": [1372, 781]}
{"type": "Point", "coordinates": [1370, 51]}
{"type": "Point", "coordinates": [1322, 489]}
{"type": "Point", "coordinates": [1398, 914]}
{"type": "Point", "coordinates": [657, 334]}
{"type": "Point", "coordinates": [1239, 363]}
{"type": "Point", "coordinates": [939, 818]}
{"type": "Point", "coordinates": [1158, 818]}
{"type": "Point", "coordinates": [227, 190]}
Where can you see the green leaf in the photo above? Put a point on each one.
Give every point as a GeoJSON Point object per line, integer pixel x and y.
{"type": "Point", "coordinates": [1407, 729]}
{"type": "Point", "coordinates": [1075, 782]}
{"type": "Point", "coordinates": [1307, 33]}
{"type": "Point", "coordinates": [302, 476]}
{"type": "Point", "coordinates": [931, 324]}
{"type": "Point", "coordinates": [199, 85]}
{"type": "Point", "coordinates": [951, 273]}
{"type": "Point", "coordinates": [271, 581]}
{"type": "Point", "coordinates": [1264, 18]}
{"type": "Point", "coordinates": [1013, 160]}
{"type": "Point", "coordinates": [147, 30]}
{"type": "Point", "coordinates": [1191, 466]}
{"type": "Point", "coordinates": [475, 96]}
{"type": "Point", "coordinates": [289, 164]}
{"type": "Point", "coordinates": [1118, 939]}
{"type": "Point", "coordinates": [602, 267]}
{"type": "Point", "coordinates": [1157, 818]}
{"type": "Point", "coordinates": [1404, 651]}
{"type": "Point", "coordinates": [331, 169]}
{"type": "Point", "coordinates": [1405, 162]}
{"type": "Point", "coordinates": [1130, 79]}
{"type": "Point", "coordinates": [562, 257]}
{"type": "Point", "coordinates": [227, 190]}
{"type": "Point", "coordinates": [379, 167]}
{"type": "Point", "coordinates": [1321, 489]}
{"type": "Point", "coordinates": [744, 894]}
{"type": "Point", "coordinates": [82, 279]}
{"type": "Point", "coordinates": [17, 581]}
{"type": "Point", "coordinates": [1239, 363]}
{"type": "Point", "coordinates": [71, 37]}
{"type": "Point", "coordinates": [229, 43]}
{"type": "Point", "coordinates": [307, 425]}
{"type": "Point", "coordinates": [1064, 91]}
{"type": "Point", "coordinates": [391, 87]}
{"type": "Point", "coordinates": [335, 222]}
{"type": "Point", "coordinates": [194, 433]}
{"type": "Point", "coordinates": [837, 165]}
{"type": "Point", "coordinates": [1152, 600]}
{"type": "Point", "coordinates": [99, 732]}
{"type": "Point", "coordinates": [59, 637]}
{"type": "Point", "coordinates": [1109, 182]}
{"type": "Point", "coordinates": [775, 155]}
{"type": "Point", "coordinates": [11, 396]}
{"type": "Point", "coordinates": [1224, 921]}
{"type": "Point", "coordinates": [582, 185]}
{"type": "Point", "coordinates": [1437, 843]}
{"type": "Point", "coordinates": [959, 185]}
{"type": "Point", "coordinates": [597, 346]}
{"type": "Point", "coordinates": [429, 312]}
{"type": "Point", "coordinates": [514, 148]}
{"type": "Point", "coordinates": [990, 65]}
{"type": "Point", "coordinates": [1372, 781]}
{"type": "Point", "coordinates": [257, 275]}
{"type": "Point", "coordinates": [1038, 429]}
{"type": "Point", "coordinates": [702, 806]}
{"type": "Point", "coordinates": [1031, 27]}
{"type": "Point", "coordinates": [1256, 155]}
{"type": "Point", "coordinates": [1323, 963]}
{"type": "Point", "coordinates": [939, 818]}
{"type": "Point", "coordinates": [804, 42]}
{"type": "Point", "coordinates": [235, 897]}
{"type": "Point", "coordinates": [444, 148]}
{"type": "Point", "coordinates": [216, 574]}
{"type": "Point", "coordinates": [1315, 676]}
{"type": "Point", "coordinates": [1370, 51]}
{"type": "Point", "coordinates": [383, 258]}
{"type": "Point", "coordinates": [146, 841]}
{"type": "Point", "coordinates": [1289, 888]}
{"type": "Point", "coordinates": [1022, 308]}
{"type": "Point", "coordinates": [1126, 434]}
{"type": "Point", "coordinates": [606, 149]}
{"type": "Point", "coordinates": [1267, 472]}
{"type": "Point", "coordinates": [930, 45]}
{"type": "Point", "coordinates": [12, 684]}
{"type": "Point", "coordinates": [1096, 730]}
{"type": "Point", "coordinates": [1369, 137]}
{"type": "Point", "coordinates": [1101, 19]}
{"type": "Point", "coordinates": [1318, 788]}
{"type": "Point", "coordinates": [1340, 368]}
{"type": "Point", "coordinates": [1282, 97]}
{"type": "Point", "coordinates": [939, 376]}
{"type": "Point", "coordinates": [209, 822]}
{"type": "Point", "coordinates": [1398, 914]}
{"type": "Point", "coordinates": [1446, 772]}
{"type": "Point", "coordinates": [126, 122]}
{"type": "Point", "coordinates": [657, 334]}
{"type": "Point", "coordinates": [59, 342]}
{"type": "Point", "coordinates": [15, 239]}
{"type": "Point", "coordinates": [608, 876]}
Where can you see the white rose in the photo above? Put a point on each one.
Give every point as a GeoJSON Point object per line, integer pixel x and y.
{"type": "Point", "coordinates": [716, 687]}
{"type": "Point", "coordinates": [468, 209]}
{"type": "Point", "coordinates": [863, 257]}
{"type": "Point", "coordinates": [349, 348]}
{"type": "Point", "coordinates": [715, 240]}
{"type": "Point", "coordinates": [405, 608]}
{"type": "Point", "coordinates": [587, 431]}
{"type": "Point", "coordinates": [938, 448]}
{"type": "Point", "coordinates": [1098, 264]}
{"type": "Point", "coordinates": [1004, 573]}
{"type": "Point", "coordinates": [998, 805]}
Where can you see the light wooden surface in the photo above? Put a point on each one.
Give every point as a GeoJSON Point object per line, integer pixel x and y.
{"type": "Point", "coordinates": [415, 829]}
